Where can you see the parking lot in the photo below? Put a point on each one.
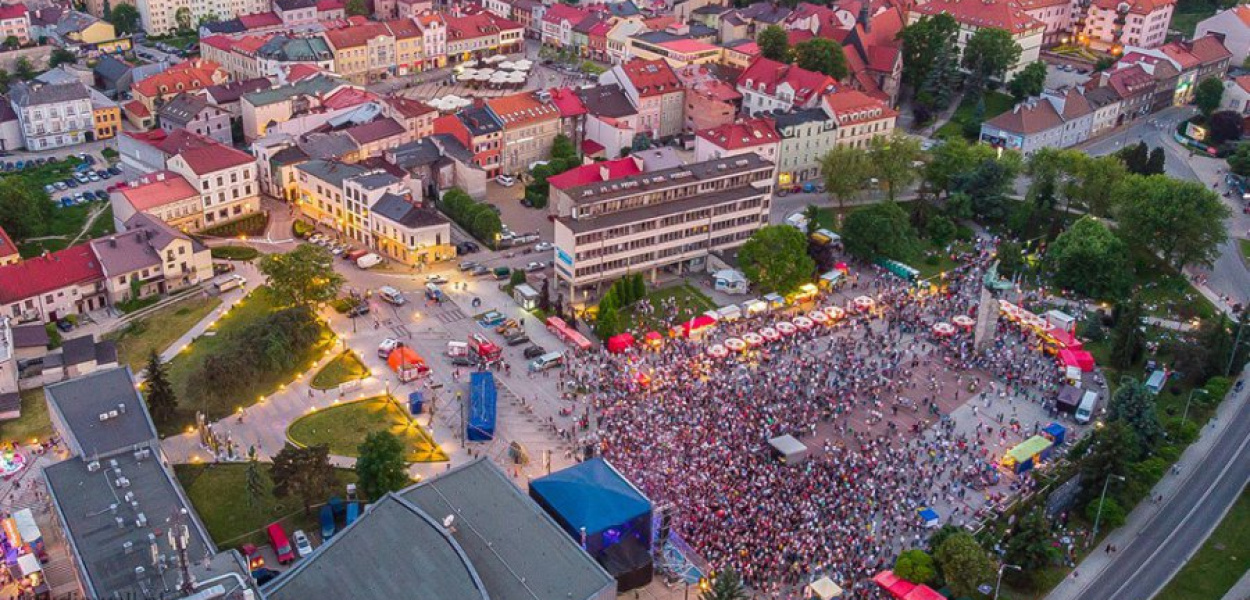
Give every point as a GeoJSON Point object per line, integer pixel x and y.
{"type": "Point", "coordinates": [90, 182]}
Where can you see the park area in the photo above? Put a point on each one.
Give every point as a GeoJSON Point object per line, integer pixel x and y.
{"type": "Point", "coordinates": [232, 345]}
{"type": "Point", "coordinates": [1221, 561]}
{"type": "Point", "coordinates": [344, 426]}
{"type": "Point", "coordinates": [961, 123]}
{"type": "Point", "coordinates": [33, 425]}
{"type": "Point", "coordinates": [689, 300]}
{"type": "Point", "coordinates": [219, 493]}
{"type": "Point", "coordinates": [344, 368]}
{"type": "Point", "coordinates": [159, 330]}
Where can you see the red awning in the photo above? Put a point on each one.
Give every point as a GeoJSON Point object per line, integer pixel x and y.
{"type": "Point", "coordinates": [1084, 360]}
{"type": "Point", "coordinates": [923, 592]}
{"type": "Point", "coordinates": [654, 336]}
{"type": "Point", "coordinates": [1068, 357]}
{"type": "Point", "coordinates": [695, 324]}
{"type": "Point", "coordinates": [620, 343]}
{"type": "Point", "coordinates": [1065, 339]}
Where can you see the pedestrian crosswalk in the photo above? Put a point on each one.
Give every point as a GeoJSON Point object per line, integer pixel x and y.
{"type": "Point", "coordinates": [449, 316]}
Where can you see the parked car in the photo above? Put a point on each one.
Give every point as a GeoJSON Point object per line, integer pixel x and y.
{"type": "Point", "coordinates": [114, 171]}
{"type": "Point", "coordinates": [71, 183]}
{"type": "Point", "coordinates": [49, 188]}
{"type": "Point", "coordinates": [435, 279]}
{"type": "Point", "coordinates": [480, 270]}
{"type": "Point", "coordinates": [253, 556]}
{"type": "Point", "coordinates": [302, 546]}
{"type": "Point", "coordinates": [534, 266]}
{"type": "Point", "coordinates": [535, 351]}
{"type": "Point", "coordinates": [505, 180]}
{"type": "Point", "coordinates": [544, 247]}
{"type": "Point", "coordinates": [359, 310]}
{"type": "Point", "coordinates": [387, 346]}
{"type": "Point", "coordinates": [392, 295]}
{"type": "Point", "coordinates": [60, 185]}
{"type": "Point", "coordinates": [463, 361]}
{"type": "Point", "coordinates": [101, 194]}
{"type": "Point", "coordinates": [467, 265]}
{"type": "Point", "coordinates": [517, 339]}
{"type": "Point", "coordinates": [281, 545]}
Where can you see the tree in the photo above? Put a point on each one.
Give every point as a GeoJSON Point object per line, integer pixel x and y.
{"type": "Point", "coordinates": [5, 78]}
{"type": "Point", "coordinates": [1183, 221]}
{"type": "Point", "coordinates": [162, 402]}
{"type": "Point", "coordinates": [938, 89]}
{"type": "Point", "coordinates": [1010, 259]}
{"type": "Point", "coordinates": [1133, 405]}
{"type": "Point", "coordinates": [11, 42]}
{"type": "Point", "coordinates": [380, 465]}
{"type": "Point", "coordinates": [880, 230]}
{"type": "Point", "coordinates": [1135, 157]}
{"type": "Point", "coordinates": [183, 18]}
{"type": "Point", "coordinates": [357, 8]}
{"type": "Point", "coordinates": [1112, 513]}
{"type": "Point", "coordinates": [125, 18]}
{"type": "Point", "coordinates": [1127, 341]}
{"type": "Point", "coordinates": [1030, 546]}
{"type": "Point", "coordinates": [915, 566]}
{"type": "Point", "coordinates": [774, 43]}
{"type": "Point", "coordinates": [1239, 161]}
{"type": "Point", "coordinates": [941, 230]}
{"type": "Point", "coordinates": [23, 69]}
{"type": "Point", "coordinates": [989, 184]}
{"type": "Point", "coordinates": [727, 585]}
{"type": "Point", "coordinates": [846, 170]}
{"type": "Point", "coordinates": [1207, 95]}
{"type": "Point", "coordinates": [1091, 181]}
{"type": "Point", "coordinates": [987, 56]}
{"type": "Point", "coordinates": [821, 55]}
{"type": "Point", "coordinates": [255, 482]}
{"type": "Point", "coordinates": [952, 159]}
{"type": "Point", "coordinates": [893, 161]}
{"type": "Point", "coordinates": [61, 56]}
{"type": "Point", "coordinates": [208, 18]}
{"type": "Point", "coordinates": [303, 473]}
{"type": "Point", "coordinates": [1091, 260]}
{"type": "Point", "coordinates": [641, 142]}
{"type": "Point", "coordinates": [1030, 81]}
{"type": "Point", "coordinates": [965, 565]}
{"type": "Point", "coordinates": [775, 259]}
{"type": "Point", "coordinates": [1224, 126]}
{"type": "Point", "coordinates": [25, 209]}
{"type": "Point", "coordinates": [923, 42]}
{"type": "Point", "coordinates": [1155, 164]}
{"type": "Point", "coordinates": [302, 277]}
{"type": "Point", "coordinates": [562, 147]}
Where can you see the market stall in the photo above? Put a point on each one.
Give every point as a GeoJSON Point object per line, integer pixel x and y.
{"type": "Point", "coordinates": [1027, 454]}
{"type": "Point", "coordinates": [735, 344]}
{"type": "Point", "coordinates": [803, 323]}
{"type": "Point", "coordinates": [943, 329]}
{"type": "Point", "coordinates": [717, 351]}
{"type": "Point", "coordinates": [834, 312]}
{"type": "Point", "coordinates": [620, 343]}
{"type": "Point", "coordinates": [769, 334]}
{"type": "Point", "coordinates": [786, 328]}
{"type": "Point", "coordinates": [864, 303]}
{"type": "Point", "coordinates": [753, 339]}
{"type": "Point", "coordinates": [964, 321]}
{"type": "Point", "coordinates": [819, 317]}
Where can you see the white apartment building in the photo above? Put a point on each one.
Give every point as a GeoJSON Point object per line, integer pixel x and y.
{"type": "Point", "coordinates": [1008, 15]}
{"type": "Point", "coordinates": [53, 115]}
{"type": "Point", "coordinates": [160, 17]}
{"type": "Point", "coordinates": [224, 177]}
{"type": "Point", "coordinates": [806, 137]}
{"type": "Point", "coordinates": [661, 220]}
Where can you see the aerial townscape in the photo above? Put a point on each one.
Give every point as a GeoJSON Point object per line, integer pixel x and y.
{"type": "Point", "coordinates": [638, 299]}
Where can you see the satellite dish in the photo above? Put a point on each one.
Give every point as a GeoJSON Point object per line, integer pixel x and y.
{"type": "Point", "coordinates": [448, 520]}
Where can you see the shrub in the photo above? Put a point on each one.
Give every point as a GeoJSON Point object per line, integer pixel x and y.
{"type": "Point", "coordinates": [235, 253]}
{"type": "Point", "coordinates": [1112, 513]}
{"type": "Point", "coordinates": [251, 225]}
{"type": "Point", "coordinates": [302, 229]}
{"type": "Point", "coordinates": [54, 336]}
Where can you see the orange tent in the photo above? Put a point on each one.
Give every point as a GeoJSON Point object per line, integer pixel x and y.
{"type": "Point", "coordinates": [407, 364]}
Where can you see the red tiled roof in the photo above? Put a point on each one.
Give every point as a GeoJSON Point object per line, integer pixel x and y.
{"type": "Point", "coordinates": [161, 188]}
{"type": "Point", "coordinates": [687, 45]}
{"type": "Point", "coordinates": [568, 102]}
{"type": "Point", "coordinates": [404, 29]}
{"type": "Point", "coordinates": [1130, 81]}
{"type": "Point", "coordinates": [376, 130]}
{"type": "Point", "coordinates": [330, 5]}
{"type": "Point", "coordinates": [176, 80]}
{"type": "Point", "coordinates": [594, 172]}
{"type": "Point", "coordinates": [717, 90]}
{"type": "Point", "coordinates": [202, 154]}
{"type": "Point", "coordinates": [1002, 14]}
{"type": "Point", "coordinates": [479, 25]}
{"type": "Point", "coordinates": [749, 48]}
{"type": "Point", "coordinates": [260, 20]}
{"type": "Point", "coordinates": [348, 97]}
{"type": "Point", "coordinates": [359, 35]}
{"type": "Point", "coordinates": [522, 108]}
{"type": "Point", "coordinates": [561, 12]}
{"type": "Point", "coordinates": [798, 36]}
{"type": "Point", "coordinates": [43, 274]}
{"type": "Point", "coordinates": [743, 134]}
{"type": "Point", "coordinates": [137, 109]}
{"type": "Point", "coordinates": [12, 11]}
{"type": "Point", "coordinates": [1242, 81]}
{"type": "Point", "coordinates": [591, 147]}
{"type": "Point", "coordinates": [1033, 116]}
{"type": "Point", "coordinates": [409, 108]}
{"type": "Point", "coordinates": [853, 106]}
{"type": "Point", "coordinates": [1209, 49]}
{"type": "Point", "coordinates": [1243, 13]}
{"type": "Point", "coordinates": [766, 75]}
{"type": "Point", "coordinates": [651, 77]}
{"type": "Point", "coordinates": [301, 71]}
{"type": "Point", "coordinates": [1139, 7]}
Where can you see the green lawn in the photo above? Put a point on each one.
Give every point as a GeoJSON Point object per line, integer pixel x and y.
{"type": "Point", "coordinates": [219, 494]}
{"type": "Point", "coordinates": [33, 424]}
{"type": "Point", "coordinates": [252, 308]}
{"type": "Point", "coordinates": [48, 173]}
{"type": "Point", "coordinates": [1187, 16]}
{"type": "Point", "coordinates": [344, 368]}
{"type": "Point", "coordinates": [67, 223]}
{"type": "Point", "coordinates": [996, 103]}
{"type": "Point", "coordinates": [160, 329]}
{"type": "Point", "coordinates": [235, 252]}
{"type": "Point", "coordinates": [1168, 294]}
{"type": "Point", "coordinates": [1220, 562]}
{"type": "Point", "coordinates": [690, 300]}
{"type": "Point", "coordinates": [1245, 249]}
{"type": "Point", "coordinates": [345, 426]}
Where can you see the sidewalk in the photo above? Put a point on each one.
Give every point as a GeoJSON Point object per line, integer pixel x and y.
{"type": "Point", "coordinates": [1145, 512]}
{"type": "Point", "coordinates": [1241, 590]}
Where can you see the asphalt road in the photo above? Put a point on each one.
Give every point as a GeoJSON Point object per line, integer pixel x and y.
{"type": "Point", "coordinates": [1142, 568]}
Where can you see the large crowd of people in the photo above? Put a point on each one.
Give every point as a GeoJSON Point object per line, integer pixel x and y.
{"type": "Point", "coordinates": [871, 396]}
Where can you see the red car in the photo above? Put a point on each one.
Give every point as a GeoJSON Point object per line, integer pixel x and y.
{"type": "Point", "coordinates": [281, 545]}
{"type": "Point", "coordinates": [254, 559]}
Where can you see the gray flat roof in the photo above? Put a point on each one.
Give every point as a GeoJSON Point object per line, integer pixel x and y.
{"type": "Point", "coordinates": [655, 211]}
{"type": "Point", "coordinates": [80, 402]}
{"type": "Point", "coordinates": [395, 550]}
{"type": "Point", "coordinates": [646, 181]}
{"type": "Point", "coordinates": [89, 505]}
{"type": "Point", "coordinates": [517, 549]}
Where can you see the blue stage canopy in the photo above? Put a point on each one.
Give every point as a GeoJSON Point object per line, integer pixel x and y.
{"type": "Point", "coordinates": [591, 495]}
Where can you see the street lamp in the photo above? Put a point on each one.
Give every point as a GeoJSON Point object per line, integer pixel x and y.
{"type": "Point", "coordinates": [1185, 414]}
{"type": "Point", "coordinates": [999, 583]}
{"type": "Point", "coordinates": [1101, 499]}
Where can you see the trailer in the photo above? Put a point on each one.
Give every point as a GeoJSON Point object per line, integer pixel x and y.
{"type": "Point", "coordinates": [481, 420]}
{"type": "Point", "coordinates": [327, 523]}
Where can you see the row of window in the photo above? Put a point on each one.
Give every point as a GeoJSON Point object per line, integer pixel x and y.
{"type": "Point", "coordinates": [755, 205]}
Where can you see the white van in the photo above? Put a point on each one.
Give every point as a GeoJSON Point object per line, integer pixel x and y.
{"type": "Point", "coordinates": [228, 282]}
{"type": "Point", "coordinates": [368, 261]}
{"type": "Point", "coordinates": [1085, 411]}
{"type": "Point", "coordinates": [392, 295]}
{"type": "Point", "coordinates": [798, 221]}
{"type": "Point", "coordinates": [457, 349]}
{"type": "Point", "coordinates": [547, 361]}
